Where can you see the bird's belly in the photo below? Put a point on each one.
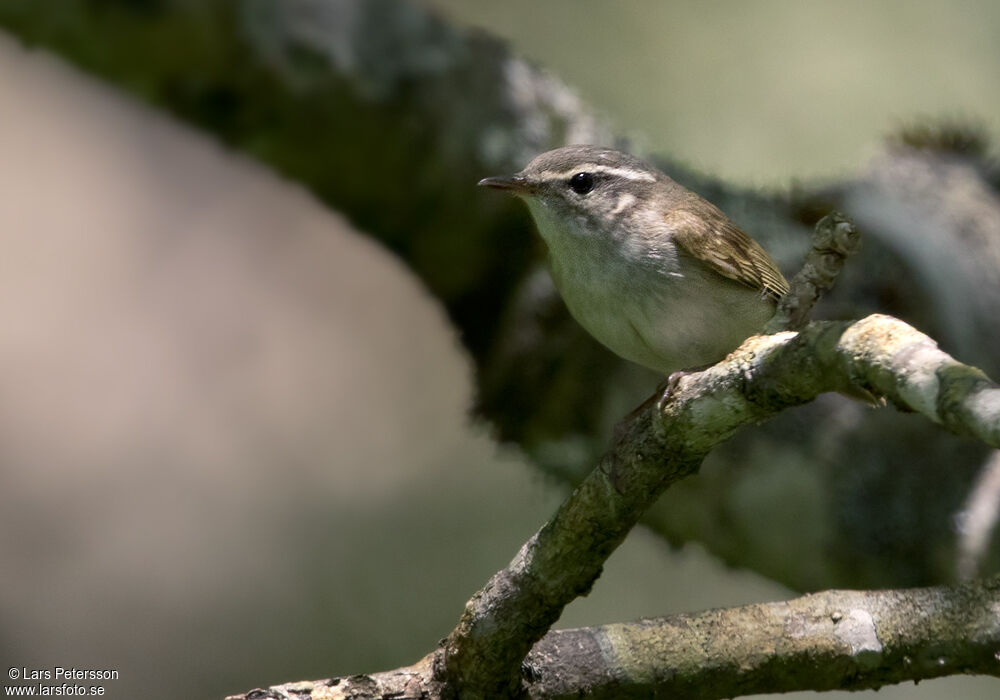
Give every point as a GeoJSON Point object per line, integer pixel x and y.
{"type": "Point", "coordinates": [667, 326]}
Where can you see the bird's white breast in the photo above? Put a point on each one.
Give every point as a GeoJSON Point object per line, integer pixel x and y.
{"type": "Point", "coordinates": [648, 304]}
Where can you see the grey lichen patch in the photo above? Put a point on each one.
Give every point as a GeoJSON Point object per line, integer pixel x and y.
{"type": "Point", "coordinates": [896, 358]}
{"type": "Point", "coordinates": [412, 42]}
{"type": "Point", "coordinates": [300, 688]}
{"type": "Point", "coordinates": [986, 406]}
{"type": "Point", "coordinates": [919, 384]}
{"type": "Point", "coordinates": [875, 333]}
{"type": "Point", "coordinates": [857, 629]}
{"type": "Point", "coordinates": [759, 356]}
{"type": "Point", "coordinates": [620, 650]}
{"type": "Point", "coordinates": [800, 625]}
{"type": "Point", "coordinates": [713, 415]}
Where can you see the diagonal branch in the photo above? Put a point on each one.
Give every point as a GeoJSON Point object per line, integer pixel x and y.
{"type": "Point", "coordinates": [765, 375]}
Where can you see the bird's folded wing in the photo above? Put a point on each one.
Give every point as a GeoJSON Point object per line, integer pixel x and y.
{"type": "Point", "coordinates": [716, 241]}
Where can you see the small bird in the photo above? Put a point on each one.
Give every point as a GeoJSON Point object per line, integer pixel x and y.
{"type": "Point", "coordinates": [653, 271]}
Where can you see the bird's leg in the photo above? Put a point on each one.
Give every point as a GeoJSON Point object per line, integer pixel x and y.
{"type": "Point", "coordinates": [660, 397]}
{"type": "Point", "coordinates": [667, 388]}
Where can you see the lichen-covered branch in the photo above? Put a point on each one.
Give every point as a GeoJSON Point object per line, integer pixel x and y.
{"type": "Point", "coordinates": [764, 376]}
{"type": "Point", "coordinates": [847, 640]}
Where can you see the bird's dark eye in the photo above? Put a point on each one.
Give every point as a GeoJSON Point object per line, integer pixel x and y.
{"type": "Point", "coordinates": [581, 183]}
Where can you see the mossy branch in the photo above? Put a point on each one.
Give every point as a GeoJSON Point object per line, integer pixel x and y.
{"type": "Point", "coordinates": [836, 640]}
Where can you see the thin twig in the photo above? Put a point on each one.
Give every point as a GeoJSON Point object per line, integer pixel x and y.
{"type": "Point", "coordinates": [835, 239]}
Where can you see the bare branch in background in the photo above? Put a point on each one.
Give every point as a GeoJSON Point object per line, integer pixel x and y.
{"type": "Point", "coordinates": [977, 521]}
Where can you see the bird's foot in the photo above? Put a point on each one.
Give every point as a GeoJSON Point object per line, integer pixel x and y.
{"type": "Point", "coordinates": [667, 388]}
{"type": "Point", "coordinates": [660, 398]}
{"type": "Point", "coordinates": [664, 391]}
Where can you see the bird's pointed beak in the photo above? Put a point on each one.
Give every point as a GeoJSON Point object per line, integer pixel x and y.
{"type": "Point", "coordinates": [516, 184]}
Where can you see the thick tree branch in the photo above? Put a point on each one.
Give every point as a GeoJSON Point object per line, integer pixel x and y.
{"type": "Point", "coordinates": [849, 640]}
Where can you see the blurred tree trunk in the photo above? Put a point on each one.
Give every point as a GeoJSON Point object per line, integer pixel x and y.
{"type": "Point", "coordinates": [390, 115]}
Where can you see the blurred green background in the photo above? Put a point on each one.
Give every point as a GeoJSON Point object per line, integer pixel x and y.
{"type": "Point", "coordinates": [762, 92]}
{"type": "Point", "coordinates": [234, 440]}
